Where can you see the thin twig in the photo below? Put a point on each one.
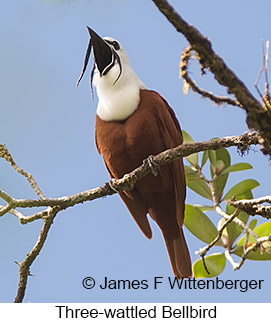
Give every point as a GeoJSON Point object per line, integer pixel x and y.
{"type": "Point", "coordinates": [202, 251]}
{"type": "Point", "coordinates": [204, 265]}
{"type": "Point", "coordinates": [5, 209]}
{"type": "Point", "coordinates": [220, 211]}
{"type": "Point", "coordinates": [230, 259]}
{"type": "Point", "coordinates": [4, 153]}
{"type": "Point", "coordinates": [186, 56]}
{"type": "Point", "coordinates": [24, 271]}
{"type": "Point", "coordinates": [266, 97]}
{"type": "Point", "coordinates": [236, 221]}
{"type": "Point", "coordinates": [18, 214]}
{"type": "Point", "coordinates": [246, 241]}
{"type": "Point", "coordinates": [267, 93]}
{"type": "Point", "coordinates": [253, 247]}
{"type": "Point", "coordinates": [260, 74]}
{"type": "Point", "coordinates": [5, 196]}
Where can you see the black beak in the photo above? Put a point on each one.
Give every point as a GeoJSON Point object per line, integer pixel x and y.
{"type": "Point", "coordinates": [103, 54]}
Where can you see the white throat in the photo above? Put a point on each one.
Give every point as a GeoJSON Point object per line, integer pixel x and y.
{"type": "Point", "coordinates": [117, 101]}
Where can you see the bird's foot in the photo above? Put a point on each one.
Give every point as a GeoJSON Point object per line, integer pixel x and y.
{"type": "Point", "coordinates": [112, 183]}
{"type": "Point", "coordinates": [151, 163]}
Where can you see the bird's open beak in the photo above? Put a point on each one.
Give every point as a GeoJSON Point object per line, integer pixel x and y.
{"type": "Point", "coordinates": [103, 54]}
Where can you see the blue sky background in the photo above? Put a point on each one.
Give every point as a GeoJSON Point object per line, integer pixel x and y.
{"type": "Point", "coordinates": [48, 126]}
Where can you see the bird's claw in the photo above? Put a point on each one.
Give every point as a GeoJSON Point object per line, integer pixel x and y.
{"type": "Point", "coordinates": [151, 163]}
{"type": "Point", "coordinates": [111, 183]}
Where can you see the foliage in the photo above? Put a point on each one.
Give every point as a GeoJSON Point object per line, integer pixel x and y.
{"type": "Point", "coordinates": [201, 225]}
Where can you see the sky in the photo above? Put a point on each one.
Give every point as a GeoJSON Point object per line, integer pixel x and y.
{"type": "Point", "coordinates": [47, 124]}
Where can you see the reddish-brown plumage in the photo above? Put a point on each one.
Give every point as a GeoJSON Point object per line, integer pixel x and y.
{"type": "Point", "coordinates": [124, 145]}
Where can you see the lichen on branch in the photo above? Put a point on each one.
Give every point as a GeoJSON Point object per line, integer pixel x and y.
{"type": "Point", "coordinates": [258, 114]}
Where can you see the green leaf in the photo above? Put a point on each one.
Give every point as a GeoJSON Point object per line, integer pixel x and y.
{"type": "Point", "coordinates": [234, 230]}
{"type": "Point", "coordinates": [217, 159]}
{"type": "Point", "coordinates": [212, 158]}
{"type": "Point", "coordinates": [199, 224]}
{"type": "Point", "coordinates": [219, 167]}
{"type": "Point", "coordinates": [223, 160]}
{"type": "Point", "coordinates": [224, 238]}
{"type": "Point", "coordinates": [196, 183]}
{"type": "Point", "coordinates": [192, 159]}
{"type": "Point", "coordinates": [263, 230]}
{"type": "Point", "coordinates": [205, 208]}
{"type": "Point", "coordinates": [204, 158]}
{"type": "Point", "coordinates": [241, 188]}
{"type": "Point", "coordinates": [220, 223]}
{"type": "Point", "coordinates": [252, 224]}
{"type": "Point", "coordinates": [215, 264]}
{"type": "Point", "coordinates": [236, 168]}
{"type": "Point", "coordinates": [261, 254]}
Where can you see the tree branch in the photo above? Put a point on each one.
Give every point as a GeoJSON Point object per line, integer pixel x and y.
{"type": "Point", "coordinates": [24, 271]}
{"type": "Point", "coordinates": [242, 142]}
{"type": "Point", "coordinates": [266, 97]}
{"type": "Point", "coordinates": [254, 206]}
{"type": "Point", "coordinates": [258, 116]}
{"type": "Point", "coordinates": [240, 205]}
{"type": "Point", "coordinates": [188, 82]}
{"type": "Point", "coordinates": [4, 153]}
{"type": "Point", "coordinates": [223, 214]}
{"type": "Point", "coordinates": [254, 247]}
{"type": "Point", "coordinates": [203, 251]}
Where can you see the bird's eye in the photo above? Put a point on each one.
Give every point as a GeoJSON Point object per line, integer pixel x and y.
{"type": "Point", "coordinates": [116, 45]}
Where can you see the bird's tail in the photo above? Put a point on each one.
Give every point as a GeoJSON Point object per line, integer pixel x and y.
{"type": "Point", "coordinates": [179, 256]}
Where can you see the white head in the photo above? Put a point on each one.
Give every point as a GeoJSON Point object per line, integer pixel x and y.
{"type": "Point", "coordinates": [116, 82]}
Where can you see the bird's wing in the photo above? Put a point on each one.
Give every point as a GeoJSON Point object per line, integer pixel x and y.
{"type": "Point", "coordinates": [172, 136]}
{"type": "Point", "coordinates": [177, 248]}
{"type": "Point", "coordinates": [138, 210]}
{"type": "Point", "coordinates": [134, 204]}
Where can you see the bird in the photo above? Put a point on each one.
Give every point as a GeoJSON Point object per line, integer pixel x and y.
{"type": "Point", "coordinates": [134, 123]}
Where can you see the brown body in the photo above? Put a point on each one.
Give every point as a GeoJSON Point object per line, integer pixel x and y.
{"type": "Point", "coordinates": [124, 145]}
